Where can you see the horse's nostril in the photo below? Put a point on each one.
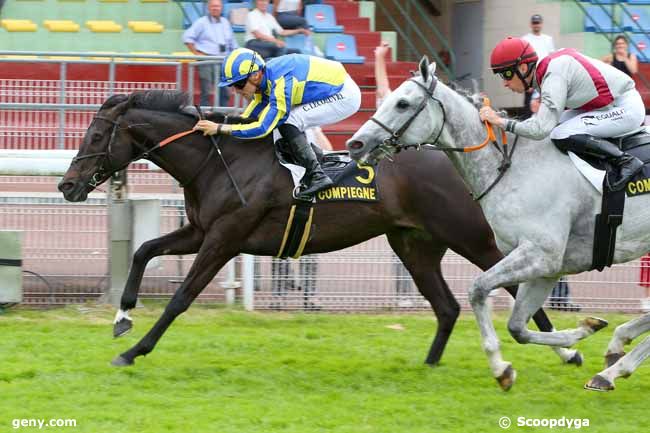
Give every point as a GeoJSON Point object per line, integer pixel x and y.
{"type": "Point", "coordinates": [355, 145]}
{"type": "Point", "coordinates": [65, 186]}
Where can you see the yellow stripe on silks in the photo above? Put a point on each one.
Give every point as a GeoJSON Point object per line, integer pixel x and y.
{"type": "Point", "coordinates": [297, 91]}
{"type": "Point", "coordinates": [251, 106]}
{"type": "Point", "coordinates": [281, 111]}
{"type": "Point", "coordinates": [305, 235]}
{"type": "Point", "coordinates": [286, 230]}
{"type": "Point", "coordinates": [256, 124]}
{"type": "Point", "coordinates": [326, 71]}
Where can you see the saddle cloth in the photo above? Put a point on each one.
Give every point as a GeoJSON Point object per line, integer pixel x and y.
{"type": "Point", "coordinates": [638, 145]}
{"type": "Point", "coordinates": [351, 181]}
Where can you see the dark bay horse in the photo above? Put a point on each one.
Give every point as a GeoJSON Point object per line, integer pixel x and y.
{"type": "Point", "coordinates": [425, 209]}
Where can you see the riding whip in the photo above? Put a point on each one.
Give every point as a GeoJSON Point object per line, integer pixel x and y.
{"type": "Point", "coordinates": [215, 143]}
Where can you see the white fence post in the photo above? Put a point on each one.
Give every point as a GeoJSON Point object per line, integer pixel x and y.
{"type": "Point", "coordinates": [248, 271]}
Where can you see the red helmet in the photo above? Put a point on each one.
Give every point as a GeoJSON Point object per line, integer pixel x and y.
{"type": "Point", "coordinates": [510, 53]}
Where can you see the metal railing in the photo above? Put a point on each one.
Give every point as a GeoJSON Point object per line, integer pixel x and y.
{"type": "Point", "coordinates": [55, 112]}
{"type": "Point", "coordinates": [424, 39]}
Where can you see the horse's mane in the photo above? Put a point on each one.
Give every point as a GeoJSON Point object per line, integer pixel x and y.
{"type": "Point", "coordinates": [158, 100]}
{"type": "Point", "coordinates": [476, 99]}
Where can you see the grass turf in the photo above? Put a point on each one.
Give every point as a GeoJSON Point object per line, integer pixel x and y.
{"type": "Point", "coordinates": [218, 370]}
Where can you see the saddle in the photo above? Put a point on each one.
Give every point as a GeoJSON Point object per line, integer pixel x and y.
{"type": "Point", "coordinates": [613, 202]}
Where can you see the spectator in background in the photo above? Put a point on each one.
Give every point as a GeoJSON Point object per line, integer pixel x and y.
{"type": "Point", "coordinates": [621, 58]}
{"type": "Point", "coordinates": [288, 13]}
{"type": "Point", "coordinates": [381, 75]}
{"type": "Point", "coordinates": [211, 35]}
{"type": "Point", "coordinates": [262, 29]}
{"type": "Point", "coordinates": [543, 46]}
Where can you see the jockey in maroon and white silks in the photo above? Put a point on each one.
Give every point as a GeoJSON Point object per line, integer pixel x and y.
{"type": "Point", "coordinates": [583, 101]}
{"type": "Point", "coordinates": [599, 99]}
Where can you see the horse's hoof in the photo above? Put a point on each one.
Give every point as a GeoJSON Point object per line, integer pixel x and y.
{"type": "Point", "coordinates": [576, 359]}
{"type": "Point", "coordinates": [612, 358]}
{"type": "Point", "coordinates": [507, 378]}
{"type": "Point", "coordinates": [120, 361]}
{"type": "Point", "coordinates": [122, 327]}
{"type": "Point", "coordinates": [594, 324]}
{"type": "Point", "coordinates": [599, 383]}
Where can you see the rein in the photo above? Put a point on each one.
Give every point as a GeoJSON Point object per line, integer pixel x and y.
{"type": "Point", "coordinates": [100, 176]}
{"type": "Point", "coordinates": [394, 142]}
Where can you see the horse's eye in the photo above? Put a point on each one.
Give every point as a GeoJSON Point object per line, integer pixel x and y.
{"type": "Point", "coordinates": [402, 104]}
{"type": "Point", "coordinates": [96, 136]}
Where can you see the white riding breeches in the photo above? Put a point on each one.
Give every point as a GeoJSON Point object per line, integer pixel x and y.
{"type": "Point", "coordinates": [625, 116]}
{"type": "Point", "coordinates": [329, 110]}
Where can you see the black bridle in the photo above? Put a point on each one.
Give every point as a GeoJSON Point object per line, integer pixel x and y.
{"type": "Point", "coordinates": [393, 142]}
{"type": "Point", "coordinates": [106, 166]}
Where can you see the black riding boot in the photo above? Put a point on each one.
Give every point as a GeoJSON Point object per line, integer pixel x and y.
{"type": "Point", "coordinates": [599, 148]}
{"type": "Point", "coordinates": [314, 179]}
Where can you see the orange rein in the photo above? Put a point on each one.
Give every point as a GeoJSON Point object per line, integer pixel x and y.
{"type": "Point", "coordinates": [175, 137]}
{"type": "Point", "coordinates": [490, 133]}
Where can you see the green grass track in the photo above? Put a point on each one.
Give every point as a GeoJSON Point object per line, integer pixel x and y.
{"type": "Point", "coordinates": [227, 371]}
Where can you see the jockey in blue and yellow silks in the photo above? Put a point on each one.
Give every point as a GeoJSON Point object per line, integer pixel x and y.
{"type": "Point", "coordinates": [291, 93]}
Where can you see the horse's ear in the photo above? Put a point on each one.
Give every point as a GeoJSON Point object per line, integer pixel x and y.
{"type": "Point", "coordinates": [424, 68]}
{"type": "Point", "coordinates": [432, 68]}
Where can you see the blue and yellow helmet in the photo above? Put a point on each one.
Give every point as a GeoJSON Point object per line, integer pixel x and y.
{"type": "Point", "coordinates": [239, 64]}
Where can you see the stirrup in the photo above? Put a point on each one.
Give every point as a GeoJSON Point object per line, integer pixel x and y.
{"type": "Point", "coordinates": [296, 194]}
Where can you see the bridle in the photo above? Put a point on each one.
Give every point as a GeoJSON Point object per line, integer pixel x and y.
{"type": "Point", "coordinates": [106, 166]}
{"type": "Point", "coordinates": [102, 173]}
{"type": "Point", "coordinates": [393, 144]}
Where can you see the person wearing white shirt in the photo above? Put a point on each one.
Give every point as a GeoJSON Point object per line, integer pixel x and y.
{"type": "Point", "coordinates": [543, 46]}
{"type": "Point", "coordinates": [262, 29]}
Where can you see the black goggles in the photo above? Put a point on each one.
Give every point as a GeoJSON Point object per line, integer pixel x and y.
{"type": "Point", "coordinates": [506, 74]}
{"type": "Point", "coordinates": [240, 84]}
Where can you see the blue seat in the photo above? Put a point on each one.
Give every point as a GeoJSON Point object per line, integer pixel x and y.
{"type": "Point", "coordinates": [191, 12]}
{"type": "Point", "coordinates": [343, 48]}
{"type": "Point", "coordinates": [298, 42]}
{"type": "Point", "coordinates": [227, 8]}
{"type": "Point", "coordinates": [322, 19]}
{"type": "Point", "coordinates": [638, 2]}
{"type": "Point", "coordinates": [602, 21]}
{"type": "Point", "coordinates": [639, 22]}
{"type": "Point", "coordinates": [640, 45]}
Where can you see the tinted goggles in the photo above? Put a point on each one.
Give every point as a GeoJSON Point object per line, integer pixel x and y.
{"type": "Point", "coordinates": [506, 74]}
{"type": "Point", "coordinates": [240, 84]}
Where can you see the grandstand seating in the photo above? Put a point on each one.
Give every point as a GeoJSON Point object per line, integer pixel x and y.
{"type": "Point", "coordinates": [322, 18]}
{"type": "Point", "coordinates": [596, 20]}
{"type": "Point", "coordinates": [343, 48]}
{"type": "Point", "coordinates": [55, 20]}
{"type": "Point", "coordinates": [636, 20]}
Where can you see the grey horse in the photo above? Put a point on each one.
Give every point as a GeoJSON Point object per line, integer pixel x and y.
{"type": "Point", "coordinates": [541, 210]}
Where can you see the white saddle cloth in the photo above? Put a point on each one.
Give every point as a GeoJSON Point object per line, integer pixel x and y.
{"type": "Point", "coordinates": [593, 175]}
